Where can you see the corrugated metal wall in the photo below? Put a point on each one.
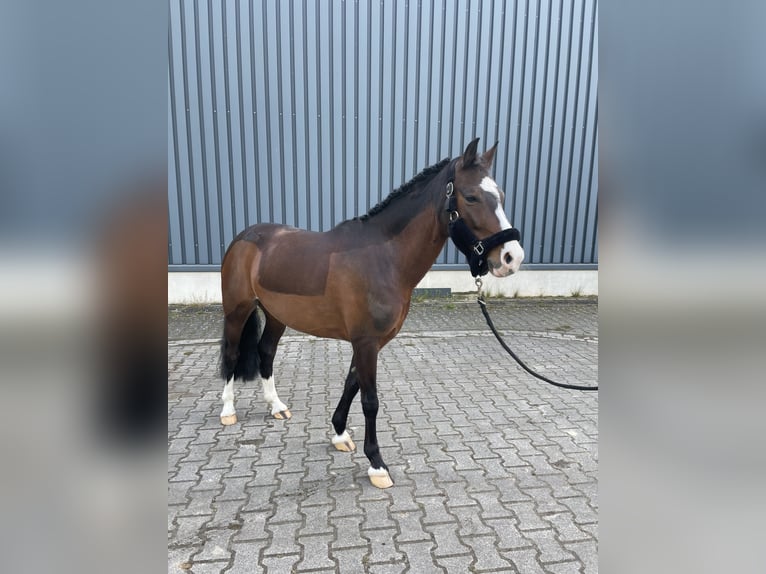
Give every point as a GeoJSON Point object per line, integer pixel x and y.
{"type": "Point", "coordinates": [308, 113]}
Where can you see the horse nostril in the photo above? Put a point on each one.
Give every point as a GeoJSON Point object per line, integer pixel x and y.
{"type": "Point", "coordinates": [507, 258]}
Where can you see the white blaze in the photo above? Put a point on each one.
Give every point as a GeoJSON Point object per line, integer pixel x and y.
{"type": "Point", "coordinates": [509, 247]}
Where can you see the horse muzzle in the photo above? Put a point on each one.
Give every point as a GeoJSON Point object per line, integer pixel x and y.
{"type": "Point", "coordinates": [507, 260]}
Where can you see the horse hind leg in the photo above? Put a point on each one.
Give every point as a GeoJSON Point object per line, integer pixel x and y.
{"type": "Point", "coordinates": [267, 349]}
{"type": "Point", "coordinates": [239, 358]}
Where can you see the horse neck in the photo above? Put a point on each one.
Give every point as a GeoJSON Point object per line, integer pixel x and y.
{"type": "Point", "coordinates": [420, 241]}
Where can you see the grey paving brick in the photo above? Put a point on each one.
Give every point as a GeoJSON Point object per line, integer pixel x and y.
{"type": "Point", "coordinates": [382, 547]}
{"type": "Point", "coordinates": [434, 509]}
{"type": "Point", "coordinates": [566, 529]}
{"type": "Point", "coordinates": [508, 534]}
{"type": "Point", "coordinates": [549, 548]}
{"type": "Point", "coordinates": [487, 555]}
{"type": "Point", "coordinates": [388, 568]}
{"type": "Point", "coordinates": [419, 559]}
{"type": "Point", "coordinates": [253, 527]}
{"type": "Point", "coordinates": [350, 560]}
{"type": "Point", "coordinates": [410, 527]}
{"type": "Point", "coordinates": [524, 560]}
{"type": "Point", "coordinates": [470, 522]}
{"type": "Point", "coordinates": [283, 538]}
{"type": "Point", "coordinates": [348, 533]}
{"type": "Point", "coordinates": [280, 564]}
{"type": "Point", "coordinates": [179, 559]}
{"type": "Point", "coordinates": [188, 531]}
{"type": "Point", "coordinates": [216, 546]}
{"type": "Point", "coordinates": [316, 520]}
{"type": "Point", "coordinates": [455, 564]}
{"type": "Point", "coordinates": [316, 551]}
{"type": "Point", "coordinates": [233, 488]}
{"type": "Point", "coordinates": [226, 514]}
{"type": "Point", "coordinates": [587, 552]}
{"type": "Point", "coordinates": [214, 567]}
{"type": "Point", "coordinates": [529, 519]}
{"type": "Point", "coordinates": [178, 492]}
{"type": "Point", "coordinates": [564, 568]}
{"type": "Point", "coordinates": [446, 540]}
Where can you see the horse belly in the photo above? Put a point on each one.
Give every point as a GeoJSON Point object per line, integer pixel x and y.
{"type": "Point", "coordinates": [312, 315]}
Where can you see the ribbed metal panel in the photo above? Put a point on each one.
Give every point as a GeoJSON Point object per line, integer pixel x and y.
{"type": "Point", "coordinates": [309, 113]}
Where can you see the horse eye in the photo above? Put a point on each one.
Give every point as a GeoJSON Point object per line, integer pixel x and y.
{"type": "Point", "coordinates": [471, 199]}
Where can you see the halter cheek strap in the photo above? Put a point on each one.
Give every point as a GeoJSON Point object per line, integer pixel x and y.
{"type": "Point", "coordinates": [474, 249]}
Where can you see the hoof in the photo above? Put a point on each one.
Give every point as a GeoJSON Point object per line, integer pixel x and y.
{"type": "Point", "coordinates": [343, 442]}
{"type": "Point", "coordinates": [380, 478]}
{"type": "Point", "coordinates": [283, 415]}
{"type": "Point", "coordinates": [229, 420]}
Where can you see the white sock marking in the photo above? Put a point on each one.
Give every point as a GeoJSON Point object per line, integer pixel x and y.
{"type": "Point", "coordinates": [377, 472]}
{"type": "Point", "coordinates": [341, 438]}
{"type": "Point", "coordinates": [228, 398]}
{"type": "Point", "coordinates": [270, 396]}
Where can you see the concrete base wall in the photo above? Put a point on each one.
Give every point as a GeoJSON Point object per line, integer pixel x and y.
{"type": "Point", "coordinates": [205, 287]}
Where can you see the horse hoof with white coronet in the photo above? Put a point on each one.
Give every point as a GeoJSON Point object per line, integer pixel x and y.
{"type": "Point", "coordinates": [380, 478]}
{"type": "Point", "coordinates": [283, 415]}
{"type": "Point", "coordinates": [343, 442]}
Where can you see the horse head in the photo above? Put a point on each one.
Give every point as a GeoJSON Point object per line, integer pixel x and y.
{"type": "Point", "coordinates": [478, 224]}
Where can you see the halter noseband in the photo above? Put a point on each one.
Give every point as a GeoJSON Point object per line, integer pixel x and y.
{"type": "Point", "coordinates": [474, 249]}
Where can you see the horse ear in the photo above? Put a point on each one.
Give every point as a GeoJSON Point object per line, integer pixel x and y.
{"type": "Point", "coordinates": [489, 156]}
{"type": "Point", "coordinates": [469, 155]}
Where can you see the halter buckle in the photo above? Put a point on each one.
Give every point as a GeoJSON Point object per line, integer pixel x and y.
{"type": "Point", "coordinates": [450, 189]}
{"type": "Point", "coordinates": [453, 216]}
{"type": "Point", "coordinates": [478, 249]}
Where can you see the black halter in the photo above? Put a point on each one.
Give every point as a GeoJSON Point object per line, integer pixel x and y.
{"type": "Point", "coordinates": [474, 249]}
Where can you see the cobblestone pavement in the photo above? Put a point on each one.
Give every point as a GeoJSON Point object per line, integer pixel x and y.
{"type": "Point", "coordinates": [494, 471]}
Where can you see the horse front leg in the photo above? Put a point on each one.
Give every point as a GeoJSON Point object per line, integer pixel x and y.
{"type": "Point", "coordinates": [366, 353]}
{"type": "Point", "coordinates": [342, 440]}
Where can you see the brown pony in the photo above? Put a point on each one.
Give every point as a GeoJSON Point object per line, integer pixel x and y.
{"type": "Point", "coordinates": [355, 282]}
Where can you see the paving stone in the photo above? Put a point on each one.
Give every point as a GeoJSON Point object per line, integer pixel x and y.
{"type": "Point", "coordinates": [214, 567]}
{"type": "Point", "coordinates": [456, 563]}
{"type": "Point", "coordinates": [350, 560]}
{"type": "Point", "coordinates": [253, 527]}
{"type": "Point", "coordinates": [382, 547]}
{"type": "Point", "coordinates": [524, 560]}
{"type": "Point", "coordinates": [508, 534]}
{"type": "Point", "coordinates": [587, 552]}
{"type": "Point", "coordinates": [487, 555]}
{"type": "Point", "coordinates": [446, 540]}
{"type": "Point", "coordinates": [316, 550]}
{"type": "Point", "coordinates": [280, 564]}
{"type": "Point", "coordinates": [549, 548]}
{"type": "Point", "coordinates": [434, 509]}
{"type": "Point", "coordinates": [283, 539]}
{"type": "Point", "coordinates": [410, 527]}
{"type": "Point", "coordinates": [216, 545]}
{"type": "Point", "coordinates": [348, 533]}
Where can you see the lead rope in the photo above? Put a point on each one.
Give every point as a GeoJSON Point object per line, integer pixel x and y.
{"type": "Point", "coordinates": [483, 305]}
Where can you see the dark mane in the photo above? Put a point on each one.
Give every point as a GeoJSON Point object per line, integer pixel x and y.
{"type": "Point", "coordinates": [423, 177]}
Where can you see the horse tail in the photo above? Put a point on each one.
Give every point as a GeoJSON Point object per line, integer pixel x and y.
{"type": "Point", "coordinates": [245, 364]}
